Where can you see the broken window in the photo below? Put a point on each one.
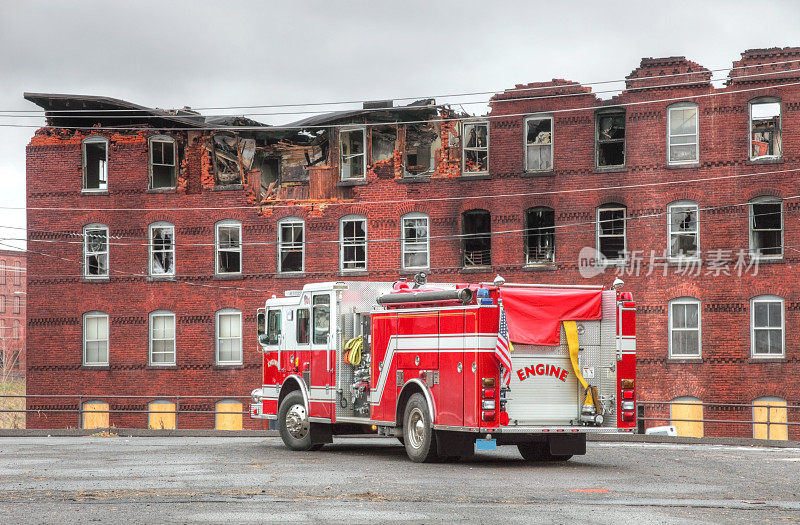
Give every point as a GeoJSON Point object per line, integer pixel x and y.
{"type": "Point", "coordinates": [422, 140]}
{"type": "Point", "coordinates": [162, 249]}
{"type": "Point", "coordinates": [162, 162]}
{"type": "Point", "coordinates": [270, 174]}
{"type": "Point", "coordinates": [476, 147]}
{"type": "Point", "coordinates": [682, 226]}
{"type": "Point", "coordinates": [539, 143]}
{"type": "Point", "coordinates": [476, 240]}
{"type": "Point", "coordinates": [353, 234]}
{"type": "Point", "coordinates": [291, 245]}
{"type": "Point", "coordinates": [611, 232]}
{"type": "Point", "coordinates": [229, 247]}
{"type": "Point", "coordinates": [765, 129]}
{"type": "Point", "coordinates": [610, 136]}
{"type": "Point", "coordinates": [95, 164]}
{"type": "Point", "coordinates": [415, 241]}
{"type": "Point", "coordinates": [683, 132]}
{"type": "Point", "coordinates": [384, 142]}
{"type": "Point", "coordinates": [95, 251]}
{"type": "Point", "coordinates": [766, 227]}
{"type": "Point", "coordinates": [540, 235]}
{"type": "Point", "coordinates": [352, 163]}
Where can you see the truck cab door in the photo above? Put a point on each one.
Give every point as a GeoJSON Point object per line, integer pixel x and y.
{"type": "Point", "coordinates": [323, 358]}
{"type": "Point", "coordinates": [270, 342]}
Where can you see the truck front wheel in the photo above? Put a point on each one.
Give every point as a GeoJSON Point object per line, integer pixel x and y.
{"type": "Point", "coordinates": [293, 423]}
{"type": "Point", "coordinates": [418, 430]}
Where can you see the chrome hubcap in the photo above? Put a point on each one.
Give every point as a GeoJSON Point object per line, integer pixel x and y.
{"type": "Point", "coordinates": [416, 428]}
{"type": "Point", "coordinates": [297, 422]}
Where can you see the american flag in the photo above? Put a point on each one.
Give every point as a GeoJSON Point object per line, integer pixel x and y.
{"type": "Point", "coordinates": [502, 349]}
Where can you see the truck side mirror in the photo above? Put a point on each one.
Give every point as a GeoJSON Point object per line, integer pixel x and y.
{"type": "Point", "coordinates": [261, 324]}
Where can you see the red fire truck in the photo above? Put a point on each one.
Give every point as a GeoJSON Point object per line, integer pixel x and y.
{"type": "Point", "coordinates": [419, 361]}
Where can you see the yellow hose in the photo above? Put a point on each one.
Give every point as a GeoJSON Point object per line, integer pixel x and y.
{"type": "Point", "coordinates": [571, 330]}
{"type": "Point", "coordinates": [353, 348]}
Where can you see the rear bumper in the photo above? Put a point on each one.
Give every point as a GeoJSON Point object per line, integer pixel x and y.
{"type": "Point", "coordinates": [531, 429]}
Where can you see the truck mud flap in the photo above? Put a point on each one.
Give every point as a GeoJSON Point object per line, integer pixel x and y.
{"type": "Point", "coordinates": [321, 433]}
{"type": "Point", "coordinates": [451, 444]}
{"type": "Point", "coordinates": [567, 444]}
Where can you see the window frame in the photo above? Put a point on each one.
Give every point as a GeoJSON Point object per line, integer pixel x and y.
{"type": "Point", "coordinates": [96, 314]}
{"type": "Point", "coordinates": [152, 339]}
{"type": "Point", "coordinates": [699, 329]}
{"type": "Point", "coordinates": [227, 312]}
{"type": "Point", "coordinates": [343, 243]}
{"type": "Point", "coordinates": [597, 142]}
{"type": "Point", "coordinates": [2, 304]}
{"type": "Point", "coordinates": [87, 253]}
{"type": "Point", "coordinates": [3, 271]}
{"type": "Point", "coordinates": [151, 249]}
{"type": "Point", "coordinates": [404, 242]}
{"type": "Point", "coordinates": [363, 154]}
{"type": "Point", "coordinates": [227, 223]}
{"type": "Point", "coordinates": [750, 104]}
{"type": "Point", "coordinates": [526, 233]}
{"type": "Point", "coordinates": [683, 204]}
{"type": "Point", "coordinates": [765, 199]}
{"type": "Point", "coordinates": [466, 237]}
{"type": "Point", "coordinates": [163, 139]}
{"type": "Point", "coordinates": [17, 304]}
{"type": "Point", "coordinates": [476, 149]}
{"type": "Point", "coordinates": [767, 298]}
{"type": "Point", "coordinates": [676, 107]}
{"type": "Point", "coordinates": [612, 206]}
{"type": "Point", "coordinates": [292, 221]}
{"type": "Point", "coordinates": [538, 116]}
{"type": "Point", "coordinates": [95, 139]}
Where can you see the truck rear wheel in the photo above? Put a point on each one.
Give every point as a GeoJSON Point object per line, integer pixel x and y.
{"type": "Point", "coordinates": [418, 430]}
{"type": "Point", "coordinates": [293, 423]}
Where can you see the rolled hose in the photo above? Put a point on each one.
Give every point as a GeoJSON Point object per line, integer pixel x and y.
{"type": "Point", "coordinates": [352, 351]}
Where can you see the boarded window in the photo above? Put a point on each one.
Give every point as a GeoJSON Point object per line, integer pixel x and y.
{"type": "Point", "coordinates": [95, 164]}
{"type": "Point", "coordinates": [161, 415]}
{"type": "Point", "coordinates": [476, 242]}
{"type": "Point", "coordinates": [229, 415]}
{"type": "Point", "coordinates": [610, 140]}
{"type": "Point", "coordinates": [687, 415]}
{"type": "Point", "coordinates": [95, 415]}
{"type": "Point", "coordinates": [765, 129]}
{"type": "Point", "coordinates": [540, 235]}
{"type": "Point", "coordinates": [162, 163]}
{"type": "Point", "coordinates": [771, 413]}
{"type": "Point", "coordinates": [539, 143]}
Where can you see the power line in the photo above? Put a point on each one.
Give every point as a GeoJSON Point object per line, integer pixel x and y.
{"type": "Point", "coordinates": [449, 95]}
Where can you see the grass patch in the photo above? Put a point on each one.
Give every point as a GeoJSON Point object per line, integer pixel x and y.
{"type": "Point", "coordinates": [12, 419]}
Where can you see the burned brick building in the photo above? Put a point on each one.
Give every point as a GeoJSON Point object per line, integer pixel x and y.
{"type": "Point", "coordinates": [161, 232]}
{"type": "Point", "coordinates": [12, 314]}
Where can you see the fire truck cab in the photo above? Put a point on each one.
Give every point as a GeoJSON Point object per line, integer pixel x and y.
{"type": "Point", "coordinates": [417, 361]}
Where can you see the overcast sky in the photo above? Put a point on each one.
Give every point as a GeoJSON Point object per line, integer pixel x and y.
{"type": "Point", "coordinates": [204, 53]}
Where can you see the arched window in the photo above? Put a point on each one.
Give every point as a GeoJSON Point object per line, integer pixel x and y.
{"type": "Point", "coordinates": [95, 339]}
{"type": "Point", "coordinates": [684, 328]}
{"type": "Point", "coordinates": [540, 235]}
{"type": "Point", "coordinates": [291, 245]}
{"type": "Point", "coordinates": [162, 249]}
{"type": "Point", "coordinates": [95, 164]}
{"type": "Point", "coordinates": [767, 337]}
{"type": "Point", "coordinates": [415, 245]}
{"type": "Point", "coordinates": [228, 243]}
{"type": "Point", "coordinates": [683, 132]}
{"type": "Point", "coordinates": [765, 128]}
{"type": "Point", "coordinates": [611, 232]}
{"type": "Point", "coordinates": [687, 416]}
{"type": "Point", "coordinates": [95, 251]}
{"type": "Point", "coordinates": [771, 414]}
{"type": "Point", "coordinates": [476, 239]}
{"type": "Point", "coordinates": [229, 337]}
{"type": "Point", "coordinates": [95, 414]}
{"type": "Point", "coordinates": [229, 415]}
{"type": "Point", "coordinates": [162, 338]}
{"type": "Point", "coordinates": [161, 415]}
{"type": "Point", "coordinates": [353, 243]}
{"type": "Point", "coordinates": [162, 162]}
{"type": "Point", "coordinates": [766, 228]}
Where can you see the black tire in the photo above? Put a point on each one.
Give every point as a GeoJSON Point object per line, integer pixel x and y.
{"type": "Point", "coordinates": [418, 431]}
{"type": "Point", "coordinates": [402, 440]}
{"type": "Point", "coordinates": [293, 424]}
{"type": "Point", "coordinates": [539, 451]}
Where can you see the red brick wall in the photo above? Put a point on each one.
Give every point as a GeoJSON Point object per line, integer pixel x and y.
{"type": "Point", "coordinates": [726, 373]}
{"type": "Point", "coordinates": [12, 290]}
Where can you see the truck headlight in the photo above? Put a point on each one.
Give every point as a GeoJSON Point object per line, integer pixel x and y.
{"type": "Point", "coordinates": [257, 395]}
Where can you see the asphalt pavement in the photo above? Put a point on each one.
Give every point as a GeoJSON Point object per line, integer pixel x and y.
{"type": "Point", "coordinates": [370, 480]}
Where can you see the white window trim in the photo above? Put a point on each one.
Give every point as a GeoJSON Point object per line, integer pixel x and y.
{"type": "Point", "coordinates": [97, 315]}
{"type": "Point", "coordinates": [675, 107]}
{"type": "Point", "coordinates": [167, 140]}
{"type": "Point", "coordinates": [763, 200]}
{"type": "Point", "coordinates": [343, 244]}
{"type": "Point", "coordinates": [174, 339]}
{"type": "Point", "coordinates": [525, 142]}
{"type": "Point", "coordinates": [227, 311]}
{"type": "Point", "coordinates": [762, 100]}
{"type": "Point", "coordinates": [414, 215]}
{"type": "Point", "coordinates": [363, 155]}
{"type": "Point", "coordinates": [615, 207]}
{"type": "Point", "coordinates": [150, 252]}
{"type": "Point", "coordinates": [86, 253]}
{"type": "Point", "coordinates": [699, 329]}
{"type": "Point", "coordinates": [682, 204]}
{"type": "Point", "coordinates": [92, 140]}
{"type": "Point", "coordinates": [291, 244]}
{"type": "Point", "coordinates": [227, 223]}
{"type": "Point", "coordinates": [767, 299]}
{"type": "Point", "coordinates": [464, 147]}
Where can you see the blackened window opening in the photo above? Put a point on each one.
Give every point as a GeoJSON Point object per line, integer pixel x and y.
{"type": "Point", "coordinates": [611, 140]}
{"type": "Point", "coordinates": [477, 239]}
{"type": "Point", "coordinates": [540, 235]}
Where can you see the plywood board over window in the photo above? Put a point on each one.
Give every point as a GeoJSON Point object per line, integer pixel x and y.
{"type": "Point", "coordinates": [773, 412]}
{"type": "Point", "coordinates": [95, 415]}
{"type": "Point", "coordinates": [161, 415]}
{"type": "Point", "coordinates": [690, 410]}
{"type": "Point", "coordinates": [229, 415]}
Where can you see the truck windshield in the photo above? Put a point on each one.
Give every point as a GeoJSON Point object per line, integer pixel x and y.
{"type": "Point", "coordinates": [273, 327]}
{"type": "Point", "coordinates": [322, 318]}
